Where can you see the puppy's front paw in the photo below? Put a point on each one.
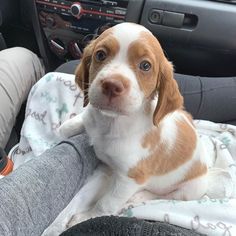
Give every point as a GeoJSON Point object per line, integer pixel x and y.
{"type": "Point", "coordinates": [66, 129]}
{"type": "Point", "coordinates": [71, 127]}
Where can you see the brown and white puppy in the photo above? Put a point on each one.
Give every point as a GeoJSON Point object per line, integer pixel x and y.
{"type": "Point", "coordinates": [135, 120]}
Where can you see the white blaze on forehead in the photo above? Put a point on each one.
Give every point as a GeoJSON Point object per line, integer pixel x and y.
{"type": "Point", "coordinates": [125, 34]}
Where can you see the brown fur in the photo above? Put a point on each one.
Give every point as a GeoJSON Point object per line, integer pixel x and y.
{"type": "Point", "coordinates": [198, 169]}
{"type": "Point", "coordinates": [161, 160]}
{"type": "Point", "coordinates": [89, 67]}
{"type": "Point", "coordinates": [169, 97]}
{"type": "Point", "coordinates": [82, 71]}
{"type": "Point", "coordinates": [159, 79]}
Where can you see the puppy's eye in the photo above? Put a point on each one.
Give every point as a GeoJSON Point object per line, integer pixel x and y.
{"type": "Point", "coordinates": [145, 65]}
{"type": "Point", "coordinates": [100, 55]}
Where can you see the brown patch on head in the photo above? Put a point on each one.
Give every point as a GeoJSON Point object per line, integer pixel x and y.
{"type": "Point", "coordinates": [162, 158]}
{"type": "Point", "coordinates": [145, 48]}
{"type": "Point", "coordinates": [159, 79]}
{"type": "Point", "coordinates": [89, 66]}
{"type": "Point", "coordinates": [82, 70]}
{"type": "Point", "coordinates": [169, 97]}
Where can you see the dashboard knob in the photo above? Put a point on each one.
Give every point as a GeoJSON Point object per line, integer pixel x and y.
{"type": "Point", "coordinates": [76, 9]}
{"type": "Point", "coordinates": [50, 22]}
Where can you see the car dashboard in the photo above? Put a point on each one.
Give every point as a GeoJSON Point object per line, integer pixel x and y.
{"type": "Point", "coordinates": [198, 36]}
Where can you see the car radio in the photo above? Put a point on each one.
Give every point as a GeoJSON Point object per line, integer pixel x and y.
{"type": "Point", "coordinates": [70, 25]}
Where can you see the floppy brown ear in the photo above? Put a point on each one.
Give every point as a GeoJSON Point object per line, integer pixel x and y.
{"type": "Point", "coordinates": [82, 70]}
{"type": "Point", "coordinates": [169, 97]}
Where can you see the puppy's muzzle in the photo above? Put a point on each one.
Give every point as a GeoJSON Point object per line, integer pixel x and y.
{"type": "Point", "coordinates": [113, 88]}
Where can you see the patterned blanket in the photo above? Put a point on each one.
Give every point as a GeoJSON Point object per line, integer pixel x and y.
{"type": "Point", "coordinates": [56, 98]}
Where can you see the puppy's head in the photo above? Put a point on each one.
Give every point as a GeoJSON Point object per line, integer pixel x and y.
{"type": "Point", "coordinates": [124, 69]}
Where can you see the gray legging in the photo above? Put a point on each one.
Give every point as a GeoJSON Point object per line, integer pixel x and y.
{"type": "Point", "coordinates": [33, 195]}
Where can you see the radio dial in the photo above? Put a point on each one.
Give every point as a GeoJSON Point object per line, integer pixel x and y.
{"type": "Point", "coordinates": [50, 22]}
{"type": "Point", "coordinates": [76, 9]}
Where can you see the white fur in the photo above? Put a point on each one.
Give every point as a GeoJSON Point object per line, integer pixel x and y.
{"type": "Point", "coordinates": [117, 140]}
{"type": "Point", "coordinates": [169, 129]}
{"type": "Point", "coordinates": [111, 137]}
{"type": "Point", "coordinates": [117, 135]}
{"type": "Point", "coordinates": [134, 98]}
{"type": "Point", "coordinates": [125, 34]}
{"type": "Point", "coordinates": [72, 127]}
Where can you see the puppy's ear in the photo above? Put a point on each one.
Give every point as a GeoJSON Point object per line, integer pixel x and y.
{"type": "Point", "coordinates": [169, 97]}
{"type": "Point", "coordinates": [82, 70]}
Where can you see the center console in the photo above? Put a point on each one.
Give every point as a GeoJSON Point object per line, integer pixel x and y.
{"type": "Point", "coordinates": [69, 25]}
{"type": "Point", "coordinates": [187, 30]}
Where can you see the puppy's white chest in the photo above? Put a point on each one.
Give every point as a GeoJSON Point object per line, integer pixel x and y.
{"type": "Point", "coordinates": [118, 144]}
{"type": "Point", "coordinates": [119, 154]}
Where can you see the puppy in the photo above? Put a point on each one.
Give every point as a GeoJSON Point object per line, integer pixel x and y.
{"type": "Point", "coordinates": [135, 119]}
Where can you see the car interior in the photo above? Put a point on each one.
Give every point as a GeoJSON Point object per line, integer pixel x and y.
{"type": "Point", "coordinates": [197, 36]}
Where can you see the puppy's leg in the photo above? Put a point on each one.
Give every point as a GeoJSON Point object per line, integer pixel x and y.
{"type": "Point", "coordinates": [72, 126]}
{"type": "Point", "coordinates": [190, 190]}
{"type": "Point", "coordinates": [119, 191]}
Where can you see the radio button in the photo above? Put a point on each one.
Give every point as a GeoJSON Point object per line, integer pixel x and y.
{"type": "Point", "coordinates": [76, 10]}
{"type": "Point", "coordinates": [120, 12]}
{"type": "Point", "coordinates": [65, 3]}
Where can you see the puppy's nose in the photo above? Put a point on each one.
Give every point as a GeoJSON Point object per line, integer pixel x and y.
{"type": "Point", "coordinates": [112, 87]}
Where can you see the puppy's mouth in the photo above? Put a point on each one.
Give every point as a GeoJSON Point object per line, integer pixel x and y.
{"type": "Point", "coordinates": [109, 110]}
{"type": "Point", "coordinates": [110, 113]}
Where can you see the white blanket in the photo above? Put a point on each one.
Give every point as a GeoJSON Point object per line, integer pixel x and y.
{"type": "Point", "coordinates": [56, 98]}
{"type": "Point", "coordinates": [52, 100]}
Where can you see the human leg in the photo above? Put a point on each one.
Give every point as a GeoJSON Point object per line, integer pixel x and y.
{"type": "Point", "coordinates": [33, 195]}
{"type": "Point", "coordinates": [19, 70]}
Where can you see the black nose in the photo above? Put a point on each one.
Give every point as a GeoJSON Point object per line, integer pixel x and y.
{"type": "Point", "coordinates": [112, 87]}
